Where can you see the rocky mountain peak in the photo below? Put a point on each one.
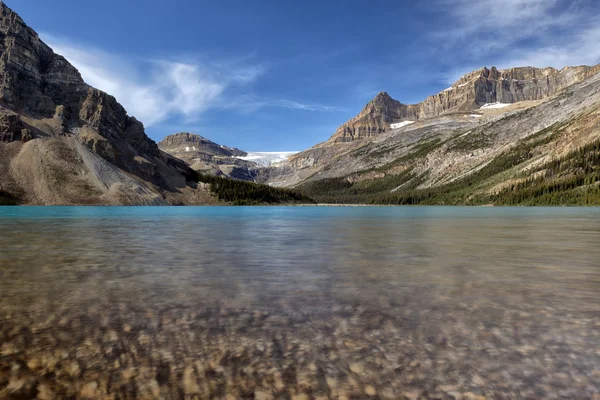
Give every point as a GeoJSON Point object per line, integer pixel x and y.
{"type": "Point", "coordinates": [382, 97]}
{"type": "Point", "coordinates": [383, 102]}
{"type": "Point", "coordinates": [374, 119]}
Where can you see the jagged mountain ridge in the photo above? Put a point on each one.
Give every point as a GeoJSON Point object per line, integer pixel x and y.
{"type": "Point", "coordinates": [470, 92]}
{"type": "Point", "coordinates": [65, 142]}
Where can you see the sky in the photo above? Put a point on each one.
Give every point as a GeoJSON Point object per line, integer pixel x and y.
{"type": "Point", "coordinates": [274, 75]}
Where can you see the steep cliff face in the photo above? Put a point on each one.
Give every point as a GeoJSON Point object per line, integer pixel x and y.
{"type": "Point", "coordinates": [45, 104]}
{"type": "Point", "coordinates": [470, 92]}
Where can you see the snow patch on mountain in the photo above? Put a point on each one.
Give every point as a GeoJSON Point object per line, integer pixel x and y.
{"type": "Point", "coordinates": [494, 105]}
{"type": "Point", "coordinates": [401, 124]}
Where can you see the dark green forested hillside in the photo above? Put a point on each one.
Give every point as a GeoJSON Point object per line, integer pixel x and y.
{"type": "Point", "coordinates": [248, 193]}
{"type": "Point", "coordinates": [571, 180]}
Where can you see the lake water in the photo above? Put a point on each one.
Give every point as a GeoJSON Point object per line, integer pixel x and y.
{"type": "Point", "coordinates": [311, 302]}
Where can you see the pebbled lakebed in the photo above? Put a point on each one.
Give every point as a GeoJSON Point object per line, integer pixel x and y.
{"type": "Point", "coordinates": [299, 303]}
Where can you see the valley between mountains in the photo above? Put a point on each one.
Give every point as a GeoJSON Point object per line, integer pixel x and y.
{"type": "Point", "coordinates": [521, 136]}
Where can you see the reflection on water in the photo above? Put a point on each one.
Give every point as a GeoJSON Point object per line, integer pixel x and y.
{"type": "Point", "coordinates": [305, 301]}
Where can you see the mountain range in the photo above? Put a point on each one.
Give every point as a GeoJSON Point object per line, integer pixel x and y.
{"type": "Point", "coordinates": [516, 136]}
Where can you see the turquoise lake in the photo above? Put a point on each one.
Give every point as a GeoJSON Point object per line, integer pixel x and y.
{"type": "Point", "coordinates": [315, 301]}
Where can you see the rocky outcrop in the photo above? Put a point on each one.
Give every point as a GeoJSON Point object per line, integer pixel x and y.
{"type": "Point", "coordinates": [44, 100]}
{"type": "Point", "coordinates": [470, 92]}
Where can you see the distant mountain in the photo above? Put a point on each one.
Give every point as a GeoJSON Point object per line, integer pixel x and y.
{"type": "Point", "coordinates": [470, 92]}
{"type": "Point", "coordinates": [187, 143]}
{"type": "Point", "coordinates": [520, 136]}
{"type": "Point", "coordinates": [64, 142]}
{"type": "Point", "coordinates": [206, 156]}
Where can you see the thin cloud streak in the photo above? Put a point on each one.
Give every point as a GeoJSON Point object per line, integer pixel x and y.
{"type": "Point", "coordinates": [486, 25]}
{"type": "Point", "coordinates": [539, 33]}
{"type": "Point", "coordinates": [158, 90]}
{"type": "Point", "coordinates": [169, 89]}
{"type": "Point", "coordinates": [248, 104]}
{"type": "Point", "coordinates": [580, 49]}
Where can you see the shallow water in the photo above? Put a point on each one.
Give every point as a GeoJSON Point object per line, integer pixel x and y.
{"type": "Point", "coordinates": [276, 302]}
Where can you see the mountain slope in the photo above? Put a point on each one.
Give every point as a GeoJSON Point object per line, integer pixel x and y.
{"type": "Point", "coordinates": [465, 154]}
{"type": "Point", "coordinates": [548, 153]}
{"type": "Point", "coordinates": [475, 99]}
{"type": "Point", "coordinates": [64, 142]}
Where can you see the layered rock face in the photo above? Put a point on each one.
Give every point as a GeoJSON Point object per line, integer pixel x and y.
{"type": "Point", "coordinates": [43, 99]}
{"type": "Point", "coordinates": [469, 93]}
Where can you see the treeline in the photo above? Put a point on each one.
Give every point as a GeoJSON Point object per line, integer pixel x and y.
{"type": "Point", "coordinates": [249, 193]}
{"type": "Point", "coordinates": [379, 191]}
{"type": "Point", "coordinates": [343, 191]}
{"type": "Point", "coordinates": [571, 180]}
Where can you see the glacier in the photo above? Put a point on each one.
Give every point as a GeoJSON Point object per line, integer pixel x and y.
{"type": "Point", "coordinates": [267, 158]}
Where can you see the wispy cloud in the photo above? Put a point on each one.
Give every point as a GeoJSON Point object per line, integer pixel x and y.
{"type": "Point", "coordinates": [157, 90]}
{"type": "Point", "coordinates": [513, 33]}
{"type": "Point", "coordinates": [487, 25]}
{"type": "Point", "coordinates": [152, 90]}
{"type": "Point", "coordinates": [250, 103]}
{"type": "Point", "coordinates": [580, 48]}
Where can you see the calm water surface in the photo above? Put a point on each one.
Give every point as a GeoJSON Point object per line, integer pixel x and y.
{"type": "Point", "coordinates": [312, 302]}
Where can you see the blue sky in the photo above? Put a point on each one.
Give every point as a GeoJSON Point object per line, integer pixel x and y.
{"type": "Point", "coordinates": [274, 75]}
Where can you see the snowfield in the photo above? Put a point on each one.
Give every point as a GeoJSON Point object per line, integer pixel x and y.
{"type": "Point", "coordinates": [494, 105]}
{"type": "Point", "coordinates": [401, 124]}
{"type": "Point", "coordinates": [267, 159]}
